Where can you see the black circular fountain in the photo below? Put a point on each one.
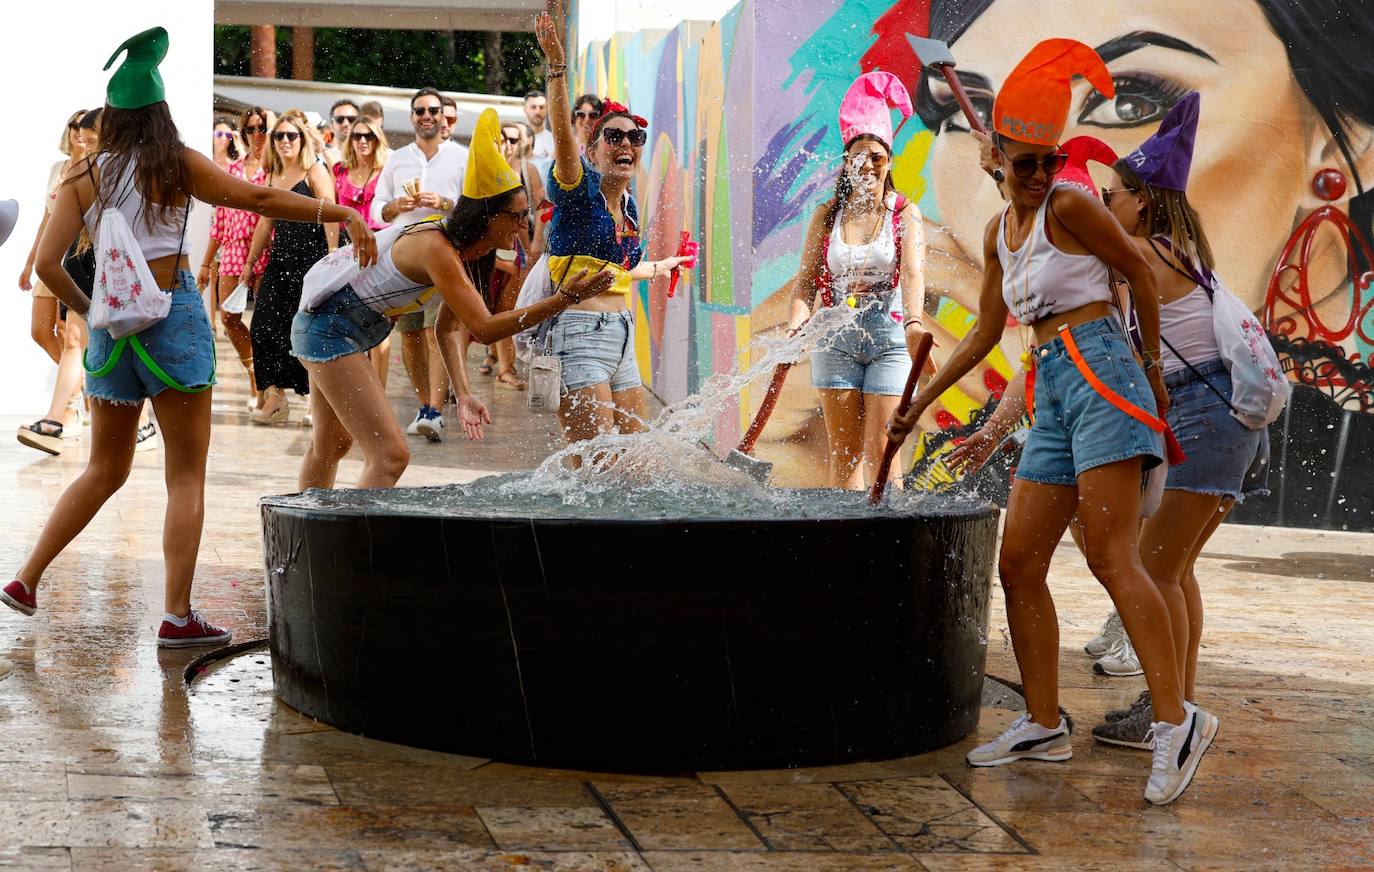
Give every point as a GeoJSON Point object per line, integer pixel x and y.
{"type": "Point", "coordinates": [810, 631]}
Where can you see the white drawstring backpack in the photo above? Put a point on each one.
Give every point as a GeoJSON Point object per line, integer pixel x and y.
{"type": "Point", "coordinates": [125, 298]}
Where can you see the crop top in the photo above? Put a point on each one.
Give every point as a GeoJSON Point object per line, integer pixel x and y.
{"type": "Point", "coordinates": [582, 232]}
{"type": "Point", "coordinates": [1039, 280]}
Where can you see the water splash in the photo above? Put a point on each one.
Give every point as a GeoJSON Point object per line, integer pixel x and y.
{"type": "Point", "coordinates": [671, 453]}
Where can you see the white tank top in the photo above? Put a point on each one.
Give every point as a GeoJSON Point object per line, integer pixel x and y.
{"type": "Point", "coordinates": [123, 194]}
{"type": "Point", "coordinates": [863, 264]}
{"type": "Point", "coordinates": [1039, 280]}
{"type": "Point", "coordinates": [1187, 324]}
{"type": "Point", "coordinates": [382, 287]}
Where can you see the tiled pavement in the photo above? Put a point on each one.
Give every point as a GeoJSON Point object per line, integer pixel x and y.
{"type": "Point", "coordinates": [107, 762]}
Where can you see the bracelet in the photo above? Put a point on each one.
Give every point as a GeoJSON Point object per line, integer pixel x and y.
{"type": "Point", "coordinates": [319, 213]}
{"type": "Point", "coordinates": [558, 68]}
{"type": "Point", "coordinates": [907, 322]}
{"type": "Point", "coordinates": [562, 293]}
{"type": "Point", "coordinates": [555, 75]}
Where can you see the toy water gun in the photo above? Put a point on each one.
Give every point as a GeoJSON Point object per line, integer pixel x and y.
{"type": "Point", "coordinates": [685, 248]}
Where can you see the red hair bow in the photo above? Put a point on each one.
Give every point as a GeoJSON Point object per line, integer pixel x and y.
{"type": "Point", "coordinates": [608, 106]}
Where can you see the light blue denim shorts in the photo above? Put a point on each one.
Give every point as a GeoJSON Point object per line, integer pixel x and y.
{"type": "Point", "coordinates": [1224, 456]}
{"type": "Point", "coordinates": [870, 357]}
{"type": "Point", "coordinates": [181, 345]}
{"type": "Point", "coordinates": [595, 348]}
{"type": "Point", "coordinates": [339, 326]}
{"type": "Point", "coordinates": [1076, 429]}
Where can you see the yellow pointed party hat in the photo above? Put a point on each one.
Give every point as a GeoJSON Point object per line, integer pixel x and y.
{"type": "Point", "coordinates": [488, 173]}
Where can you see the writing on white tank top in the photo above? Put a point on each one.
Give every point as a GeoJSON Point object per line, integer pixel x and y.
{"type": "Point", "coordinates": [1039, 280]}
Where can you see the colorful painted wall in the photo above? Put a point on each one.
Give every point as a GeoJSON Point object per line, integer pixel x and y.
{"type": "Point", "coordinates": [744, 146]}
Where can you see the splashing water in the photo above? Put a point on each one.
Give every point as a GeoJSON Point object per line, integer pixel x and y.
{"type": "Point", "coordinates": [670, 456]}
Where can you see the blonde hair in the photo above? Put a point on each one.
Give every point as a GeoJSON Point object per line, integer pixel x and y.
{"type": "Point", "coordinates": [1168, 213]}
{"type": "Point", "coordinates": [307, 153]}
{"type": "Point", "coordinates": [381, 150]}
{"type": "Point", "coordinates": [66, 145]}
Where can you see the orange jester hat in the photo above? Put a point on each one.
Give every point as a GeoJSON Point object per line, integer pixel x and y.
{"type": "Point", "coordinates": [1033, 105]}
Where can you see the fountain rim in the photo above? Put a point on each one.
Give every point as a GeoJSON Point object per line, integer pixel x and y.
{"type": "Point", "coordinates": [959, 511]}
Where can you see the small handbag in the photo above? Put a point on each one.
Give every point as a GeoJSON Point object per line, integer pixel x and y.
{"type": "Point", "coordinates": [237, 302]}
{"type": "Point", "coordinates": [545, 380]}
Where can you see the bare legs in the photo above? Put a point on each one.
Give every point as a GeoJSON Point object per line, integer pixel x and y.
{"type": "Point", "coordinates": [68, 385]}
{"type": "Point", "coordinates": [855, 424]}
{"type": "Point", "coordinates": [236, 330]}
{"type": "Point", "coordinates": [1170, 543]}
{"type": "Point", "coordinates": [349, 405]}
{"type": "Point", "coordinates": [185, 420]}
{"type": "Point", "coordinates": [415, 356]}
{"type": "Point", "coordinates": [43, 327]}
{"type": "Point", "coordinates": [1107, 502]}
{"type": "Point", "coordinates": [381, 359]}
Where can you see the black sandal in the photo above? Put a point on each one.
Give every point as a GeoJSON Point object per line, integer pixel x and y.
{"type": "Point", "coordinates": [45, 434]}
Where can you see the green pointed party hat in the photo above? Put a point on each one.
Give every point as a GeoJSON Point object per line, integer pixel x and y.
{"type": "Point", "coordinates": [137, 83]}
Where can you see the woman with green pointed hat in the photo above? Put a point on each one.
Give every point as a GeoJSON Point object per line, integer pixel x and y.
{"type": "Point", "coordinates": [347, 309]}
{"type": "Point", "coordinates": [144, 171]}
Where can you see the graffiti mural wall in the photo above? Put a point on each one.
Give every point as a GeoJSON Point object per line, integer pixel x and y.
{"type": "Point", "coordinates": [744, 147]}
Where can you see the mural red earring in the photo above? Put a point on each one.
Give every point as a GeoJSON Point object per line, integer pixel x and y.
{"type": "Point", "coordinates": [1298, 322]}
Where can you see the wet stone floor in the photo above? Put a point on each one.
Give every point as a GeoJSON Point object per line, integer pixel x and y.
{"type": "Point", "coordinates": [109, 762]}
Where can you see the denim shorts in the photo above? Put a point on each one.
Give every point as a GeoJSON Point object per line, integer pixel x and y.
{"type": "Point", "coordinates": [595, 348]}
{"type": "Point", "coordinates": [1221, 450]}
{"type": "Point", "coordinates": [1076, 429]}
{"type": "Point", "coordinates": [871, 356]}
{"type": "Point", "coordinates": [339, 326]}
{"type": "Point", "coordinates": [181, 345]}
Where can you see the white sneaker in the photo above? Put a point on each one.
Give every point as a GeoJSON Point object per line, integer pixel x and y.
{"type": "Point", "coordinates": [1024, 740]}
{"type": "Point", "coordinates": [1178, 750]}
{"type": "Point", "coordinates": [431, 428]}
{"type": "Point", "coordinates": [1106, 637]}
{"type": "Point", "coordinates": [414, 428]}
{"type": "Point", "coordinates": [1121, 660]}
{"type": "Point", "coordinates": [146, 440]}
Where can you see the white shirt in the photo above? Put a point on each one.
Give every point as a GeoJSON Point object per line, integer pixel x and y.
{"type": "Point", "coordinates": [442, 175]}
{"type": "Point", "coordinates": [543, 143]}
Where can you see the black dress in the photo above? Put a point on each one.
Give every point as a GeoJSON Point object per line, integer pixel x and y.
{"type": "Point", "coordinates": [296, 247]}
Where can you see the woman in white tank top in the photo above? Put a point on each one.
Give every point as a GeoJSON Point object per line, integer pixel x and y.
{"type": "Point", "coordinates": [1097, 416]}
{"type": "Point", "coordinates": [140, 145]}
{"type": "Point", "coordinates": [1147, 197]}
{"type": "Point", "coordinates": [864, 248]}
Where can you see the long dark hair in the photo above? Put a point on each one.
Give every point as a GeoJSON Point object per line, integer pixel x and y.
{"type": "Point", "coordinates": [844, 188]}
{"type": "Point", "coordinates": [228, 121]}
{"type": "Point", "coordinates": [471, 217]}
{"type": "Point", "coordinates": [147, 140]}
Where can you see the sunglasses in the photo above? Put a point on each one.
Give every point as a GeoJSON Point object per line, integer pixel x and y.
{"type": "Point", "coordinates": [512, 140]}
{"type": "Point", "coordinates": [511, 212]}
{"type": "Point", "coordinates": [224, 134]}
{"type": "Point", "coordinates": [345, 119]}
{"type": "Point", "coordinates": [286, 136]}
{"type": "Point", "coordinates": [585, 114]}
{"type": "Point", "coordinates": [1107, 194]}
{"type": "Point", "coordinates": [615, 136]}
{"type": "Point", "coordinates": [1025, 166]}
{"type": "Point", "coordinates": [363, 136]}
{"type": "Point", "coordinates": [252, 130]}
{"type": "Point", "coordinates": [433, 111]}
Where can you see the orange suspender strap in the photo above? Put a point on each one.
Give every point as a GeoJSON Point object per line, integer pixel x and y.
{"type": "Point", "coordinates": [1107, 393]}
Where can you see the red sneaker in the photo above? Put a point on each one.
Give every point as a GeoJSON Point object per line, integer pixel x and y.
{"type": "Point", "coordinates": [17, 596]}
{"type": "Point", "coordinates": [197, 631]}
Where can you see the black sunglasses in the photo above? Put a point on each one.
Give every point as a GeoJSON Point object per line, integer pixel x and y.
{"type": "Point", "coordinates": [1025, 166]}
{"type": "Point", "coordinates": [585, 113]}
{"type": "Point", "coordinates": [253, 130]}
{"type": "Point", "coordinates": [345, 119]}
{"type": "Point", "coordinates": [615, 136]}
{"type": "Point", "coordinates": [432, 110]}
{"type": "Point", "coordinates": [361, 135]}
{"type": "Point", "coordinates": [1107, 194]}
{"type": "Point", "coordinates": [512, 140]}
{"type": "Point", "coordinates": [286, 136]}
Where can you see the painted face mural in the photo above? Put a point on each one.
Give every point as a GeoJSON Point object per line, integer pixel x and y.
{"type": "Point", "coordinates": [1283, 157]}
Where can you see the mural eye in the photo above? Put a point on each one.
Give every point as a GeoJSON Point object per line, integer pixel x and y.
{"type": "Point", "coordinates": [982, 106]}
{"type": "Point", "coordinates": [1140, 99]}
